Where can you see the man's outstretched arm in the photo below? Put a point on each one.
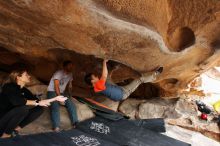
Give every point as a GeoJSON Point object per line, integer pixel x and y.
{"type": "Point", "coordinates": [104, 70]}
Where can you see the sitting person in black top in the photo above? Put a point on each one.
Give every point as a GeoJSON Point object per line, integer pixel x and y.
{"type": "Point", "coordinates": [18, 106]}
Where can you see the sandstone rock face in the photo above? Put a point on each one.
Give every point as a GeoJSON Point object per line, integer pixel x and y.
{"type": "Point", "coordinates": [182, 36]}
{"type": "Point", "coordinates": [193, 138]}
{"type": "Point", "coordinates": [181, 112]}
{"type": "Point", "coordinates": [130, 107]}
{"type": "Point", "coordinates": [136, 35]}
{"type": "Point", "coordinates": [157, 109]}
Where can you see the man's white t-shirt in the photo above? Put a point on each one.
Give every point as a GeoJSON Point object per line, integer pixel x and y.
{"type": "Point", "coordinates": [63, 80]}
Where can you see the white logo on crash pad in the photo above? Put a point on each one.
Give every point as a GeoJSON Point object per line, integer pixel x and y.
{"type": "Point", "coordinates": [83, 140]}
{"type": "Point", "coordinates": [100, 128]}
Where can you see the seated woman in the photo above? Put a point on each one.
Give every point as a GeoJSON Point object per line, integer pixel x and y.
{"type": "Point", "coordinates": [18, 106]}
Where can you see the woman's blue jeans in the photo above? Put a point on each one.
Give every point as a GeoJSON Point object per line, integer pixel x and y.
{"type": "Point", "coordinates": [55, 112]}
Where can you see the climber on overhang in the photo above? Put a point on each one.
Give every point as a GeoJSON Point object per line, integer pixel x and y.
{"type": "Point", "coordinates": [113, 91]}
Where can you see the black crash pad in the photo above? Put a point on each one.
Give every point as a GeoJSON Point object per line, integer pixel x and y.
{"type": "Point", "coordinates": [126, 132]}
{"type": "Point", "coordinates": [102, 132]}
{"type": "Point", "coordinates": [65, 138]}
